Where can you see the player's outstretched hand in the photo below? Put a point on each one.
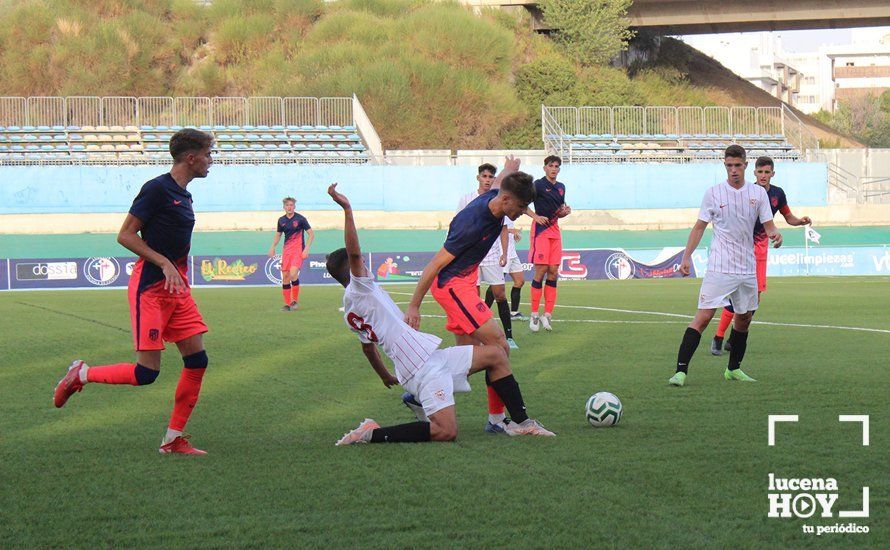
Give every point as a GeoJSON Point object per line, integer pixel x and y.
{"type": "Point", "coordinates": [390, 380]}
{"type": "Point", "coordinates": [339, 198]}
{"type": "Point", "coordinates": [412, 317]}
{"type": "Point", "coordinates": [806, 220]}
{"type": "Point", "coordinates": [684, 267]}
{"type": "Point", "coordinates": [173, 282]}
{"type": "Point", "coordinates": [777, 239]}
{"type": "Point", "coordinates": [511, 164]}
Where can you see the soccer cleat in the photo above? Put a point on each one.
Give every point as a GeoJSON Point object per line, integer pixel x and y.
{"type": "Point", "coordinates": [512, 343]}
{"type": "Point", "coordinates": [728, 345]}
{"type": "Point", "coordinates": [517, 315]}
{"type": "Point", "coordinates": [737, 374]}
{"type": "Point", "coordinates": [415, 407]}
{"type": "Point", "coordinates": [180, 445]}
{"type": "Point", "coordinates": [717, 346]}
{"type": "Point", "coordinates": [69, 384]}
{"type": "Point", "coordinates": [294, 306]}
{"type": "Point", "coordinates": [362, 434]}
{"type": "Point", "coordinates": [285, 308]}
{"type": "Point", "coordinates": [545, 322]}
{"type": "Point", "coordinates": [534, 323]}
{"type": "Point", "coordinates": [495, 428]}
{"type": "Point", "coordinates": [528, 427]}
{"type": "Point", "coordinates": [678, 379]}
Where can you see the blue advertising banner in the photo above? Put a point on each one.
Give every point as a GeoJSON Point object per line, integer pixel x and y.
{"type": "Point", "coordinates": [4, 274]}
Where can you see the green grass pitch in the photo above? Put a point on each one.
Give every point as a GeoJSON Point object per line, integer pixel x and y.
{"type": "Point", "coordinates": [686, 467]}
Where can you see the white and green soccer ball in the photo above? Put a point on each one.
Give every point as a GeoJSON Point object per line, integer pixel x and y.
{"type": "Point", "coordinates": [603, 409]}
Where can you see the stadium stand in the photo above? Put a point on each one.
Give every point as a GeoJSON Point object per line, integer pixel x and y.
{"type": "Point", "coordinates": [138, 129]}
{"type": "Point", "coordinates": [671, 134]}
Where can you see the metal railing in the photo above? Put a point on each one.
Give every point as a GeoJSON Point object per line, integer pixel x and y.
{"type": "Point", "coordinates": [176, 111]}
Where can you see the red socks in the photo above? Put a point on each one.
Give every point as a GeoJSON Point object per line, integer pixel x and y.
{"type": "Point", "coordinates": [536, 295]}
{"type": "Point", "coordinates": [295, 291]}
{"type": "Point", "coordinates": [495, 404]}
{"type": "Point", "coordinates": [725, 321]}
{"type": "Point", "coordinates": [121, 373]}
{"type": "Point", "coordinates": [186, 397]}
{"type": "Point", "coordinates": [549, 296]}
{"type": "Point", "coordinates": [285, 292]}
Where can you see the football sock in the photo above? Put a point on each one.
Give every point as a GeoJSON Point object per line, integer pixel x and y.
{"type": "Point", "coordinates": [515, 294]}
{"type": "Point", "coordinates": [187, 390]}
{"type": "Point", "coordinates": [549, 296]}
{"type": "Point", "coordinates": [413, 432]}
{"type": "Point", "coordinates": [285, 291]}
{"type": "Point", "coordinates": [508, 389]}
{"type": "Point", "coordinates": [495, 405]}
{"type": "Point", "coordinates": [737, 353]}
{"type": "Point", "coordinates": [295, 291]}
{"type": "Point", "coordinates": [691, 338]}
{"type": "Point", "coordinates": [121, 373]}
{"type": "Point", "coordinates": [171, 435]}
{"type": "Point", "coordinates": [506, 320]}
{"type": "Point", "coordinates": [536, 295]}
{"type": "Point", "coordinates": [489, 297]}
{"type": "Point", "coordinates": [725, 321]}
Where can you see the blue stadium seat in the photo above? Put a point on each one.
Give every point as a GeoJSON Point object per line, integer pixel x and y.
{"type": "Point", "coordinates": [278, 128]}
{"type": "Point", "coordinates": [162, 128]}
{"type": "Point", "coordinates": [143, 128]}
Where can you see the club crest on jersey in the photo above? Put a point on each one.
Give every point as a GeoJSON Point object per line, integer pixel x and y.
{"type": "Point", "coordinates": [153, 335]}
{"type": "Point", "coordinates": [440, 395]}
{"type": "Point", "coordinates": [753, 202]}
{"type": "Point", "coordinates": [296, 223]}
{"type": "Point", "coordinates": [562, 192]}
{"type": "Point", "coordinates": [774, 201]}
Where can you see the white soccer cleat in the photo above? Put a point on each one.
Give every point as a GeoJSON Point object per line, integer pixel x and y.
{"type": "Point", "coordinates": [534, 324]}
{"type": "Point", "coordinates": [362, 434]}
{"type": "Point", "coordinates": [528, 427]}
{"type": "Point", "coordinates": [545, 322]}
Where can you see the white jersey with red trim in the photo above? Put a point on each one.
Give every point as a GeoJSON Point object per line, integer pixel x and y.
{"type": "Point", "coordinates": [376, 319]}
{"type": "Point", "coordinates": [732, 213]}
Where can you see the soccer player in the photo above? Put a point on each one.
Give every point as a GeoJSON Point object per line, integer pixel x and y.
{"type": "Point", "coordinates": [764, 170]}
{"type": "Point", "coordinates": [158, 229]}
{"type": "Point", "coordinates": [292, 225]}
{"type": "Point", "coordinates": [546, 241]}
{"type": "Point", "coordinates": [491, 268]}
{"type": "Point", "coordinates": [514, 268]}
{"type": "Point", "coordinates": [734, 207]}
{"type": "Point", "coordinates": [430, 373]}
{"type": "Point", "coordinates": [452, 271]}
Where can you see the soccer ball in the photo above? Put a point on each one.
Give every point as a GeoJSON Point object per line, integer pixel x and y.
{"type": "Point", "coordinates": [603, 409]}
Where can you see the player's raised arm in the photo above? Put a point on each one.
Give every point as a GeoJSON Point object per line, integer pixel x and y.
{"type": "Point", "coordinates": [430, 272]}
{"type": "Point", "coordinates": [793, 220]}
{"type": "Point", "coordinates": [511, 164]}
{"type": "Point", "coordinates": [129, 238]}
{"type": "Point", "coordinates": [695, 237]}
{"type": "Point", "coordinates": [376, 362]}
{"type": "Point", "coordinates": [350, 235]}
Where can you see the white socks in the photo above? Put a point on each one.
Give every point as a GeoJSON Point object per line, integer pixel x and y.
{"type": "Point", "coordinates": [171, 435]}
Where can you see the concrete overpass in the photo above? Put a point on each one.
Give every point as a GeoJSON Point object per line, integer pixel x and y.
{"type": "Point", "coordinates": [672, 17]}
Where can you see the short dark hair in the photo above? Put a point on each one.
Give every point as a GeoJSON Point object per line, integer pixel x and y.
{"type": "Point", "coordinates": [486, 167]}
{"type": "Point", "coordinates": [764, 161]}
{"type": "Point", "coordinates": [520, 185]}
{"type": "Point", "coordinates": [552, 158]}
{"type": "Point", "coordinates": [736, 152]}
{"type": "Point", "coordinates": [337, 264]}
{"type": "Point", "coordinates": [187, 141]}
{"type": "Point", "coordinates": [288, 199]}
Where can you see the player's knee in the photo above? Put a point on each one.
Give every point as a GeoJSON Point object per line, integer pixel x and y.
{"type": "Point", "coordinates": [145, 375]}
{"type": "Point", "coordinates": [444, 433]}
{"type": "Point", "coordinates": [196, 360]}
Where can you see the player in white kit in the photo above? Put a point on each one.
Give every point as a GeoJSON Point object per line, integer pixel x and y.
{"type": "Point", "coordinates": [733, 207]}
{"type": "Point", "coordinates": [431, 374]}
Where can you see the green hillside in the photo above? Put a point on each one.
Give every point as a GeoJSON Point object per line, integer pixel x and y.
{"type": "Point", "coordinates": [430, 74]}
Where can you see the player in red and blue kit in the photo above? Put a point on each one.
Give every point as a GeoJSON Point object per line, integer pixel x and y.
{"type": "Point", "coordinates": [158, 229]}
{"type": "Point", "coordinates": [452, 273]}
{"type": "Point", "coordinates": [546, 241]}
{"type": "Point", "coordinates": [292, 226]}
{"type": "Point", "coordinates": [764, 170]}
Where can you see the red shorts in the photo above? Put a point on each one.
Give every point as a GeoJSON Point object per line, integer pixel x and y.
{"type": "Point", "coordinates": [291, 259]}
{"type": "Point", "coordinates": [546, 248]}
{"type": "Point", "coordinates": [761, 253]}
{"type": "Point", "coordinates": [157, 317]}
{"type": "Point", "coordinates": [465, 312]}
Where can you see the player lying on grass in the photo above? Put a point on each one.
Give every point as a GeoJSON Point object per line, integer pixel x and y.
{"type": "Point", "coordinates": [430, 373]}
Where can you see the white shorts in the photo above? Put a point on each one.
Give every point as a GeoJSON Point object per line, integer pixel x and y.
{"type": "Point", "coordinates": [514, 265]}
{"type": "Point", "coordinates": [444, 374]}
{"type": "Point", "coordinates": [721, 289]}
{"type": "Point", "coordinates": [491, 274]}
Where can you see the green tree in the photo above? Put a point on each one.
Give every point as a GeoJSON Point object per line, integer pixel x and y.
{"type": "Point", "coordinates": [592, 32]}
